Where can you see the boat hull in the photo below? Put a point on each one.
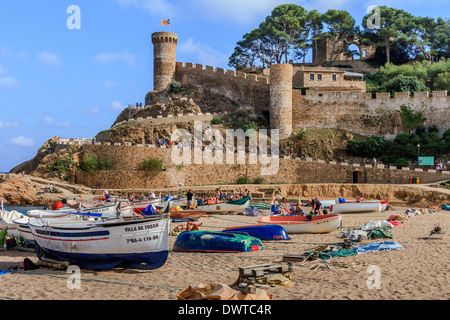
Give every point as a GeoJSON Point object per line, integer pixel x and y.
{"type": "Point", "coordinates": [356, 207]}
{"type": "Point", "coordinates": [262, 232]}
{"type": "Point", "coordinates": [211, 241]}
{"type": "Point", "coordinates": [298, 224]}
{"type": "Point", "coordinates": [136, 244]}
{"type": "Point", "coordinates": [187, 214]}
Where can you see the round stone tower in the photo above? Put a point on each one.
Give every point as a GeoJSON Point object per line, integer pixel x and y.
{"type": "Point", "coordinates": [281, 98]}
{"type": "Point", "coordinates": [164, 59]}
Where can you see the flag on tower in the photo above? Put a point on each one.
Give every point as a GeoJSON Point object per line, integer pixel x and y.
{"type": "Point", "coordinates": [166, 22]}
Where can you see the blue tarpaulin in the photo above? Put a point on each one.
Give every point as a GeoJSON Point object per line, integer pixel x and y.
{"type": "Point", "coordinates": [378, 246]}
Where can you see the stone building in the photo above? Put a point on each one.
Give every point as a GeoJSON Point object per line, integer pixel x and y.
{"type": "Point", "coordinates": [328, 79]}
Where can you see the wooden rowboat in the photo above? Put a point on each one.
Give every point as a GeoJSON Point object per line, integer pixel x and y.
{"type": "Point", "coordinates": [225, 207]}
{"type": "Point", "coordinates": [262, 232]}
{"type": "Point", "coordinates": [187, 214]}
{"type": "Point", "coordinates": [299, 224]}
{"type": "Point", "coordinates": [214, 241]}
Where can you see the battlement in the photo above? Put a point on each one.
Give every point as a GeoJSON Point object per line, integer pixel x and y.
{"type": "Point", "coordinates": [381, 96]}
{"type": "Point", "coordinates": [164, 37]}
{"type": "Point", "coordinates": [188, 66]}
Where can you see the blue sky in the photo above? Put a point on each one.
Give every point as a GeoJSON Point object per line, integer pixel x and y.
{"type": "Point", "coordinates": [74, 83]}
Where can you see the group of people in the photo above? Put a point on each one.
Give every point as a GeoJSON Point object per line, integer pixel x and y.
{"type": "Point", "coordinates": [218, 197]}
{"type": "Point", "coordinates": [440, 167]}
{"type": "Point", "coordinates": [277, 204]}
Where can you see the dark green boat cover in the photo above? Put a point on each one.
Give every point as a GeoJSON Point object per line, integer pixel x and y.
{"type": "Point", "coordinates": [239, 201]}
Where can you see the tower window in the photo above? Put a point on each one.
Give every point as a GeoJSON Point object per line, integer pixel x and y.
{"type": "Point", "coordinates": [311, 76]}
{"type": "Point", "coordinates": [319, 77]}
{"type": "Point", "coordinates": [334, 77]}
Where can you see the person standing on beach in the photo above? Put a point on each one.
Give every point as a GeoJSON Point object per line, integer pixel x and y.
{"type": "Point", "coordinates": [189, 198]}
{"type": "Point", "coordinates": [316, 206]}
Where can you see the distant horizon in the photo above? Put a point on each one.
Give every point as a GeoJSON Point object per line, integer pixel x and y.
{"type": "Point", "coordinates": [73, 83]}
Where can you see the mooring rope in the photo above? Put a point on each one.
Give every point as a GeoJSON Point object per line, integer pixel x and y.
{"type": "Point", "coordinates": [97, 280]}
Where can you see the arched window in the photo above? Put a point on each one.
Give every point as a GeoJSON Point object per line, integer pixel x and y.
{"type": "Point", "coordinates": [353, 52]}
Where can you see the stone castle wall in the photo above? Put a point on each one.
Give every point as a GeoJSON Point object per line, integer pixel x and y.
{"type": "Point", "coordinates": [245, 89]}
{"type": "Point", "coordinates": [126, 173]}
{"type": "Point", "coordinates": [360, 113]}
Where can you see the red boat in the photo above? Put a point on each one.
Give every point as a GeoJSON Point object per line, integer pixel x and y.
{"type": "Point", "coordinates": [187, 214]}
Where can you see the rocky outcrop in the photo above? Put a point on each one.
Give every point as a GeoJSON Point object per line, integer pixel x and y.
{"type": "Point", "coordinates": [48, 148]}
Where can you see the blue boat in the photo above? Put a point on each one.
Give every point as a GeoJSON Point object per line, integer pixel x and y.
{"type": "Point", "coordinates": [215, 241]}
{"type": "Point", "coordinates": [265, 232]}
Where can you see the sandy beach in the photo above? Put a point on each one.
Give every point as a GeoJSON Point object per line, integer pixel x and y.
{"type": "Point", "coordinates": [418, 271]}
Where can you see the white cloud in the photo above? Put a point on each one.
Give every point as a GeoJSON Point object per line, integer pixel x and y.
{"type": "Point", "coordinates": [50, 122]}
{"type": "Point", "coordinates": [21, 141]}
{"type": "Point", "coordinates": [9, 125]}
{"type": "Point", "coordinates": [50, 59]}
{"type": "Point", "coordinates": [117, 105]}
{"type": "Point", "coordinates": [8, 82]}
{"type": "Point", "coordinates": [125, 57]}
{"type": "Point", "coordinates": [201, 53]}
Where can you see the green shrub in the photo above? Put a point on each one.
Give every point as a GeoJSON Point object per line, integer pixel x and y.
{"type": "Point", "coordinates": [174, 87]}
{"type": "Point", "coordinates": [258, 180]}
{"type": "Point", "coordinates": [249, 125]}
{"type": "Point", "coordinates": [216, 121]}
{"type": "Point", "coordinates": [243, 180]}
{"type": "Point", "coordinates": [61, 166]}
{"type": "Point", "coordinates": [91, 162]}
{"type": "Point", "coordinates": [152, 165]}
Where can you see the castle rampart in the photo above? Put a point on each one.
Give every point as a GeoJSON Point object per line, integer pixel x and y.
{"type": "Point", "coordinates": [361, 113]}
{"type": "Point", "coordinates": [244, 89]}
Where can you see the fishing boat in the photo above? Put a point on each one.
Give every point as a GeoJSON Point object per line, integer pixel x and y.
{"type": "Point", "coordinates": [121, 208]}
{"type": "Point", "coordinates": [300, 224]}
{"type": "Point", "coordinates": [356, 207]}
{"type": "Point", "coordinates": [134, 244]}
{"type": "Point", "coordinates": [262, 232]}
{"type": "Point", "coordinates": [7, 218]}
{"type": "Point", "coordinates": [232, 206]}
{"type": "Point", "coordinates": [216, 241]}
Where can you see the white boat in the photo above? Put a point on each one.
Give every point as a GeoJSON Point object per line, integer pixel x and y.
{"type": "Point", "coordinates": [227, 207]}
{"type": "Point", "coordinates": [326, 204]}
{"type": "Point", "coordinates": [356, 207]}
{"type": "Point", "coordinates": [135, 244]}
{"type": "Point", "coordinates": [299, 224]}
{"type": "Point", "coordinates": [7, 218]}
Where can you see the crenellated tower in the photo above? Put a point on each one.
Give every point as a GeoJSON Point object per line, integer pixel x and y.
{"type": "Point", "coordinates": [164, 59]}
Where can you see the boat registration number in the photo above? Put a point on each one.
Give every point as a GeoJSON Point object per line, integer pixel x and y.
{"type": "Point", "coordinates": [143, 239]}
